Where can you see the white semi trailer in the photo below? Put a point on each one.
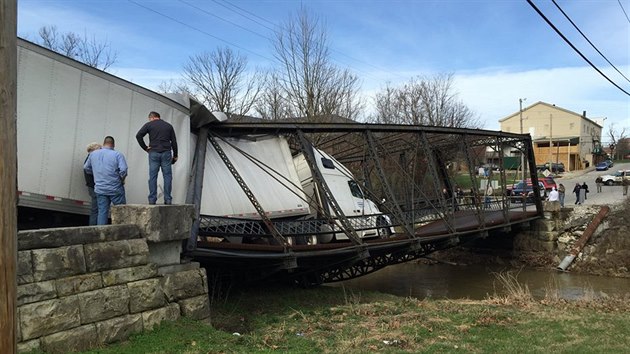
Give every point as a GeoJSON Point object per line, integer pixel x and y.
{"type": "Point", "coordinates": [62, 106]}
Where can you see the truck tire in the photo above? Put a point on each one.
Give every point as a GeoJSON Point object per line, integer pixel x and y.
{"type": "Point", "coordinates": [383, 228]}
{"type": "Point", "coordinates": [302, 240]}
{"type": "Point", "coordinates": [326, 234]}
{"type": "Point", "coordinates": [609, 182]}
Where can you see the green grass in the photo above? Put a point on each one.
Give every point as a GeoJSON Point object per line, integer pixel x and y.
{"type": "Point", "coordinates": [334, 320]}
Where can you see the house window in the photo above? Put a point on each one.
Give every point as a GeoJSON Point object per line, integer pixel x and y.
{"type": "Point", "coordinates": [571, 125]}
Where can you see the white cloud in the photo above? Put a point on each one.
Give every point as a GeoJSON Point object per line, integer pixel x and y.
{"type": "Point", "coordinates": [495, 95]}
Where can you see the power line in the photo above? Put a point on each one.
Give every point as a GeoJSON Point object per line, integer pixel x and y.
{"type": "Point", "coordinates": [222, 19]}
{"type": "Point", "coordinates": [248, 12]}
{"type": "Point", "coordinates": [624, 10]}
{"type": "Point", "coordinates": [589, 42]}
{"type": "Point", "coordinates": [198, 30]}
{"type": "Point", "coordinates": [572, 46]}
{"type": "Point", "coordinates": [241, 10]}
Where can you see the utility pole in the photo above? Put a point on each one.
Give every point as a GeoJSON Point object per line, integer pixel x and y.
{"type": "Point", "coordinates": [550, 145]}
{"type": "Point", "coordinates": [8, 175]}
{"type": "Point", "coordinates": [520, 110]}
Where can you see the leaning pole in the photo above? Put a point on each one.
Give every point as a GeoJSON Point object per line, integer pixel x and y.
{"type": "Point", "coordinates": [8, 175]}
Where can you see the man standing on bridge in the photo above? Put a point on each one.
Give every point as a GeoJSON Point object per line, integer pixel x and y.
{"type": "Point", "coordinates": [109, 168]}
{"type": "Point", "coordinates": [161, 141]}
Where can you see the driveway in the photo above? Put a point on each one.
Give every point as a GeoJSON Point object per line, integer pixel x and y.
{"type": "Point", "coordinates": [609, 194]}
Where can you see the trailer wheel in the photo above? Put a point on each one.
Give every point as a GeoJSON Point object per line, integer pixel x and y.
{"type": "Point", "coordinates": [383, 228]}
{"type": "Point", "coordinates": [302, 240]}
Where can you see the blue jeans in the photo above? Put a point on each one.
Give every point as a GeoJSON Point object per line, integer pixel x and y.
{"type": "Point", "coordinates": [93, 207]}
{"type": "Point", "coordinates": [104, 201]}
{"type": "Point", "coordinates": [161, 160]}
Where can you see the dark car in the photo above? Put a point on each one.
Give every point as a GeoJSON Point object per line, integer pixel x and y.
{"type": "Point", "coordinates": [556, 167]}
{"type": "Point", "coordinates": [521, 189]}
{"type": "Point", "coordinates": [602, 166]}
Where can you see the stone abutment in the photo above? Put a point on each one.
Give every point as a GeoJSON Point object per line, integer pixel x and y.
{"type": "Point", "coordinates": [82, 287]}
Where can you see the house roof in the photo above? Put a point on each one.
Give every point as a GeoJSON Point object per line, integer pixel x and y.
{"type": "Point", "coordinates": [551, 106]}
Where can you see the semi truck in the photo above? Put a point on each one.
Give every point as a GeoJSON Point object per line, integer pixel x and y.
{"type": "Point", "coordinates": [283, 185]}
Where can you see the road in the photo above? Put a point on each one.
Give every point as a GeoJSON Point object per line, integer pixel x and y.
{"type": "Point", "coordinates": [609, 195]}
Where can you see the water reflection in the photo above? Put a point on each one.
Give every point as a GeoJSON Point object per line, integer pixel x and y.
{"type": "Point", "coordinates": [477, 282]}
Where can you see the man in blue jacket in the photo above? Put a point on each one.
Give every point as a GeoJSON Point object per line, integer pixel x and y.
{"type": "Point", "coordinates": [109, 169]}
{"type": "Point", "coordinates": [161, 141]}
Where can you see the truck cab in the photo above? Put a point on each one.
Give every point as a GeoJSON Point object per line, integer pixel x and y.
{"type": "Point", "coordinates": [363, 213]}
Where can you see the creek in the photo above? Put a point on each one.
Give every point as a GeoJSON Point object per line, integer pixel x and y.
{"type": "Point", "coordinates": [476, 282]}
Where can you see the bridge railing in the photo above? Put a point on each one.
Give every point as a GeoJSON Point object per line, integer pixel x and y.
{"type": "Point", "coordinates": [248, 229]}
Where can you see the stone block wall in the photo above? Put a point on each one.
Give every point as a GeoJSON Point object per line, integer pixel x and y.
{"type": "Point", "coordinates": [83, 287]}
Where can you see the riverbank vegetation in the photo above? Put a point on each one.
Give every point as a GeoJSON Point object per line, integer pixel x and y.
{"type": "Point", "coordinates": [334, 319]}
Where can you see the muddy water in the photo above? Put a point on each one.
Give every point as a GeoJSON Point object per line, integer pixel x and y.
{"type": "Point", "coordinates": [477, 282]}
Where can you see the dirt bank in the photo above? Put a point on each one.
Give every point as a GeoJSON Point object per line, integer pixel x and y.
{"type": "Point", "coordinates": [606, 253]}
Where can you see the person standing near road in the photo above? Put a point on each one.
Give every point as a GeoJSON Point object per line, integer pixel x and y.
{"type": "Point", "coordinates": [554, 196]}
{"type": "Point", "coordinates": [561, 191]}
{"type": "Point", "coordinates": [109, 169]}
{"type": "Point", "coordinates": [625, 182]}
{"type": "Point", "coordinates": [576, 190]}
{"type": "Point", "coordinates": [585, 190]}
{"type": "Point", "coordinates": [161, 141]}
{"type": "Point", "coordinates": [488, 197]}
{"type": "Point", "coordinates": [89, 182]}
{"type": "Point", "coordinates": [599, 182]}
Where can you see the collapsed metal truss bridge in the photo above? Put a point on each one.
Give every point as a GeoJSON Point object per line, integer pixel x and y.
{"type": "Point", "coordinates": [425, 181]}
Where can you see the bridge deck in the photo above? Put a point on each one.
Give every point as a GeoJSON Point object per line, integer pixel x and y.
{"type": "Point", "coordinates": [463, 222]}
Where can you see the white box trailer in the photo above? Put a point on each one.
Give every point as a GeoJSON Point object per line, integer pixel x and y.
{"type": "Point", "coordinates": [266, 166]}
{"type": "Point", "coordinates": [62, 106]}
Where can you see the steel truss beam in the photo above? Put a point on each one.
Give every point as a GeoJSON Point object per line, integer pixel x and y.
{"type": "Point", "coordinates": [395, 210]}
{"type": "Point", "coordinates": [380, 260]}
{"type": "Point", "coordinates": [309, 155]}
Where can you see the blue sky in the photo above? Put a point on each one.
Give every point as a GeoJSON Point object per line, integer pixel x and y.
{"type": "Point", "coordinates": [497, 50]}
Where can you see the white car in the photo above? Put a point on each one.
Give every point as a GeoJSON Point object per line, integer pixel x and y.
{"type": "Point", "coordinates": [616, 178]}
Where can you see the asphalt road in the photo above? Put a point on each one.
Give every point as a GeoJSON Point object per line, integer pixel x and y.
{"type": "Point", "coordinates": [609, 194]}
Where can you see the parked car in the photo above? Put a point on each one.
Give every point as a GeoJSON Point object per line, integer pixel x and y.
{"type": "Point", "coordinates": [521, 189]}
{"type": "Point", "coordinates": [548, 182]}
{"type": "Point", "coordinates": [610, 163]}
{"type": "Point", "coordinates": [616, 178]}
{"type": "Point", "coordinates": [554, 167]}
{"type": "Point", "coordinates": [602, 166]}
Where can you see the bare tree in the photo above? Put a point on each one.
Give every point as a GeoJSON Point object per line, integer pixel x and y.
{"type": "Point", "coordinates": [222, 81]}
{"type": "Point", "coordinates": [312, 85]}
{"type": "Point", "coordinates": [617, 139]}
{"type": "Point", "coordinates": [272, 104]}
{"type": "Point", "coordinates": [86, 50]}
{"type": "Point", "coordinates": [174, 86]}
{"type": "Point", "coordinates": [424, 101]}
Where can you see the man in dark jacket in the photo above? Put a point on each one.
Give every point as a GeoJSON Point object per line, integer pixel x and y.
{"type": "Point", "coordinates": [161, 141]}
